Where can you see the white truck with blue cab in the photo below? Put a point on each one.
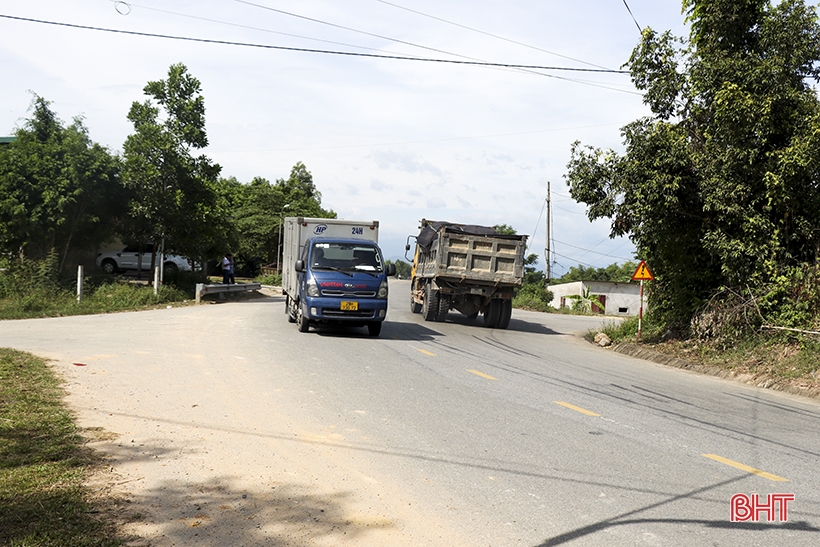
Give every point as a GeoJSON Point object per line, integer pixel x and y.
{"type": "Point", "coordinates": [334, 272]}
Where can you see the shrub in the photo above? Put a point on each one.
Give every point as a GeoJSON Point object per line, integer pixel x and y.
{"type": "Point", "coordinates": [272, 279]}
{"type": "Point", "coordinates": [533, 297]}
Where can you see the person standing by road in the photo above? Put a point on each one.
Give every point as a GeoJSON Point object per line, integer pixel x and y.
{"type": "Point", "coordinates": [227, 269]}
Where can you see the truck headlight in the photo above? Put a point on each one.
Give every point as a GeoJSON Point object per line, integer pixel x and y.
{"type": "Point", "coordinates": [312, 289]}
{"type": "Point", "coordinates": [382, 290]}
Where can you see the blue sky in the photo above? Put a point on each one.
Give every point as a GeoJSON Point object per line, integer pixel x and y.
{"type": "Point", "coordinates": [385, 139]}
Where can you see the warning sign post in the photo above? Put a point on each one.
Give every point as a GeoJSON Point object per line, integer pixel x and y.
{"type": "Point", "coordinates": [642, 273]}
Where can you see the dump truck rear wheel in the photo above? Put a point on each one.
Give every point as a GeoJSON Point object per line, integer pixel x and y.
{"type": "Point", "coordinates": [492, 313]}
{"type": "Point", "coordinates": [506, 314]}
{"type": "Point", "coordinates": [430, 306]}
{"type": "Point", "coordinates": [443, 308]}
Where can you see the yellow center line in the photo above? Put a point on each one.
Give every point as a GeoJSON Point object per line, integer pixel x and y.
{"type": "Point", "coordinates": [576, 408]}
{"type": "Point", "coordinates": [746, 468]}
{"type": "Point", "coordinates": [425, 352]}
{"type": "Point", "coordinates": [487, 376]}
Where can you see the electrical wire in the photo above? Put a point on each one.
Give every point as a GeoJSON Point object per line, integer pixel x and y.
{"type": "Point", "coordinates": [487, 33]}
{"type": "Point", "coordinates": [237, 25]}
{"type": "Point", "coordinates": [537, 224]}
{"type": "Point", "coordinates": [574, 260]}
{"type": "Point", "coordinates": [591, 251]}
{"type": "Point", "coordinates": [307, 50]}
{"type": "Point", "coordinates": [334, 25]}
{"type": "Point", "coordinates": [520, 68]}
{"type": "Point", "coordinates": [633, 17]}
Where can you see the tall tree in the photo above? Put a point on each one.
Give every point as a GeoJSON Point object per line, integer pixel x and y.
{"type": "Point", "coordinates": [58, 190]}
{"type": "Point", "coordinates": [174, 195]}
{"type": "Point", "coordinates": [721, 185]}
{"type": "Point", "coordinates": [261, 205]}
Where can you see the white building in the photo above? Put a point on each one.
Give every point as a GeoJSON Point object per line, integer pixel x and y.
{"type": "Point", "coordinates": [618, 298]}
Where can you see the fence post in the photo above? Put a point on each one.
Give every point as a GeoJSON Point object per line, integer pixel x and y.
{"type": "Point", "coordinates": [79, 283]}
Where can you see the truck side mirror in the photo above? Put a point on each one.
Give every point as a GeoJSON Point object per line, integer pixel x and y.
{"type": "Point", "coordinates": [299, 266]}
{"type": "Point", "coordinates": [407, 247]}
{"type": "Point", "coordinates": [391, 269]}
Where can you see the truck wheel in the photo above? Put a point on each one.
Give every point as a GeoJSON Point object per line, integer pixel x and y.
{"type": "Point", "coordinates": [109, 266]}
{"type": "Point", "coordinates": [373, 329]}
{"type": "Point", "coordinates": [289, 310]}
{"type": "Point", "coordinates": [492, 313]}
{"type": "Point", "coordinates": [506, 314]}
{"type": "Point", "coordinates": [415, 307]}
{"type": "Point", "coordinates": [430, 306]}
{"type": "Point", "coordinates": [302, 322]}
{"type": "Point", "coordinates": [443, 308]}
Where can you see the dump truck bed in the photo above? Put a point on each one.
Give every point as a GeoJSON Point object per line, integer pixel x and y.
{"type": "Point", "coordinates": [471, 254]}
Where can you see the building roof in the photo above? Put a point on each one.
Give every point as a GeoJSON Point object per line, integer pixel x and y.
{"type": "Point", "coordinates": [7, 140]}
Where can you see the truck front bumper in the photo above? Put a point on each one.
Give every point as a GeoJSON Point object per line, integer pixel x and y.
{"type": "Point", "coordinates": [336, 309]}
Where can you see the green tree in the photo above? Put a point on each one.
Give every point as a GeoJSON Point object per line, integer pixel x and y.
{"type": "Point", "coordinates": [174, 195]}
{"type": "Point", "coordinates": [301, 196]}
{"type": "Point", "coordinates": [403, 269]}
{"type": "Point", "coordinates": [257, 210]}
{"type": "Point", "coordinates": [505, 229]}
{"type": "Point", "coordinates": [719, 187]}
{"type": "Point", "coordinates": [533, 276]}
{"type": "Point", "coordinates": [58, 190]}
{"type": "Point", "coordinates": [258, 218]}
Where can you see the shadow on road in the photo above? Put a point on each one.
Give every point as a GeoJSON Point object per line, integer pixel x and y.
{"type": "Point", "coordinates": [623, 520]}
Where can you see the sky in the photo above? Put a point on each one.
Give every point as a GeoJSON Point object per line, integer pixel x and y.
{"type": "Point", "coordinates": [385, 139]}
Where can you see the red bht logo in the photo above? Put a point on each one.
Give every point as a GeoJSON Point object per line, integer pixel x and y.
{"type": "Point", "coordinates": [750, 507]}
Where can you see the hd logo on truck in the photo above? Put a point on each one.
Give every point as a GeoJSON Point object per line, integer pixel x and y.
{"type": "Point", "coordinates": [320, 229]}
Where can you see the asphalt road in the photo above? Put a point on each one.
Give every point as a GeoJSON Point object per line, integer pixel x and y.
{"type": "Point", "coordinates": [231, 427]}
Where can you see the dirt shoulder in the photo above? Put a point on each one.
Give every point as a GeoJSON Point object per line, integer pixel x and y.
{"type": "Point", "coordinates": [747, 371]}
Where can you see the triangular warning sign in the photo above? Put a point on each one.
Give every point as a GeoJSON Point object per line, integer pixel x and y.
{"type": "Point", "coordinates": [642, 273]}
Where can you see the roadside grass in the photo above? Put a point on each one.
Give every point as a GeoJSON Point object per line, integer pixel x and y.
{"type": "Point", "coordinates": [270, 279]}
{"type": "Point", "coordinates": [110, 295]}
{"type": "Point", "coordinates": [43, 465]}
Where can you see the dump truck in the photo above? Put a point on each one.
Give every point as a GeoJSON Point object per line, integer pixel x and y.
{"type": "Point", "coordinates": [334, 272]}
{"type": "Point", "coordinates": [469, 268]}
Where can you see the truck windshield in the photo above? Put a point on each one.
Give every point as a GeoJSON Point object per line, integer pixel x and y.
{"type": "Point", "coordinates": [346, 257]}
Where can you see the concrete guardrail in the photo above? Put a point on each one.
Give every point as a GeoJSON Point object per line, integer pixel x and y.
{"type": "Point", "coordinates": [203, 289]}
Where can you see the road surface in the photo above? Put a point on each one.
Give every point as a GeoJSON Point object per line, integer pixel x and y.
{"type": "Point", "coordinates": [226, 426]}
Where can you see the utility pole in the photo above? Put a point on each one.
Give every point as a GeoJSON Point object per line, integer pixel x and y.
{"type": "Point", "coordinates": [547, 246]}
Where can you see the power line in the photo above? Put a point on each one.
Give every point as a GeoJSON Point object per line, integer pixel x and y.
{"type": "Point", "coordinates": [237, 25]}
{"type": "Point", "coordinates": [334, 25]}
{"type": "Point", "coordinates": [307, 50]}
{"type": "Point", "coordinates": [633, 17]}
{"type": "Point", "coordinates": [487, 33]}
{"type": "Point", "coordinates": [521, 68]}
{"type": "Point", "coordinates": [591, 251]}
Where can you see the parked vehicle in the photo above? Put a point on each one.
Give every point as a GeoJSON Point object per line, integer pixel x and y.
{"type": "Point", "coordinates": [334, 272]}
{"type": "Point", "coordinates": [138, 257]}
{"type": "Point", "coordinates": [472, 269]}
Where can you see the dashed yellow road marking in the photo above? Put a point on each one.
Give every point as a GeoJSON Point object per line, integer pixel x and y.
{"type": "Point", "coordinates": [425, 352]}
{"type": "Point", "coordinates": [576, 408]}
{"type": "Point", "coordinates": [746, 468]}
{"type": "Point", "coordinates": [487, 376]}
